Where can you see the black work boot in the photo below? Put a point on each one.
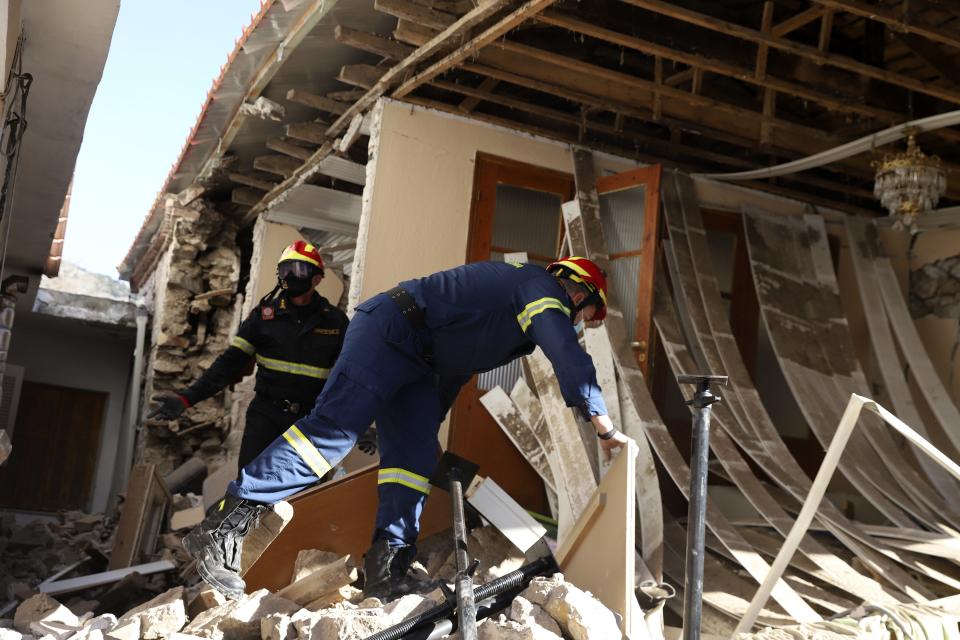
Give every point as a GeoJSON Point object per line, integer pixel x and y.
{"type": "Point", "coordinates": [385, 572]}
{"type": "Point", "coordinates": [217, 543]}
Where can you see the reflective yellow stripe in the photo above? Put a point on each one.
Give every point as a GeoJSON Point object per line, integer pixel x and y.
{"type": "Point", "coordinates": [306, 450]}
{"type": "Point", "coordinates": [406, 478]}
{"type": "Point", "coordinates": [243, 345]}
{"type": "Point", "coordinates": [525, 317]}
{"type": "Point", "coordinates": [295, 368]}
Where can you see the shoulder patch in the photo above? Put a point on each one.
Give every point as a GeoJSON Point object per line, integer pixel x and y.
{"type": "Point", "coordinates": [267, 313]}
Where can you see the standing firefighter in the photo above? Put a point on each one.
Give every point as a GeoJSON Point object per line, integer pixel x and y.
{"type": "Point", "coordinates": [407, 354]}
{"type": "Point", "coordinates": [294, 335]}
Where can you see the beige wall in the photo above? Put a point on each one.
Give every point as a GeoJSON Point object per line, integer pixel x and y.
{"type": "Point", "coordinates": [418, 209]}
{"type": "Point", "coordinates": [275, 238]}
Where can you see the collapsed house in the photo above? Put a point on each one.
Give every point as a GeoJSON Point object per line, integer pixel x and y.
{"type": "Point", "coordinates": [404, 137]}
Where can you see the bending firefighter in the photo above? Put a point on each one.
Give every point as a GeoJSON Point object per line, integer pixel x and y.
{"type": "Point", "coordinates": [294, 335]}
{"type": "Point", "coordinates": [405, 357]}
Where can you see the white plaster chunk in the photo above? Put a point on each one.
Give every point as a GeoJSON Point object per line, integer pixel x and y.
{"type": "Point", "coordinates": [310, 560]}
{"type": "Point", "coordinates": [161, 616]}
{"type": "Point", "coordinates": [12, 634]}
{"type": "Point", "coordinates": [125, 630]}
{"type": "Point", "coordinates": [524, 611]}
{"type": "Point", "coordinates": [503, 629]}
{"type": "Point", "coordinates": [277, 626]}
{"type": "Point", "coordinates": [581, 616]}
{"type": "Point", "coordinates": [239, 619]}
{"type": "Point", "coordinates": [41, 608]}
{"type": "Point", "coordinates": [405, 607]}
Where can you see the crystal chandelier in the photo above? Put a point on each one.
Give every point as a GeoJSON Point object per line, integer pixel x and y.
{"type": "Point", "coordinates": [909, 183]}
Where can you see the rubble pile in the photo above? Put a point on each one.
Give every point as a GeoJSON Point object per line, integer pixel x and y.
{"type": "Point", "coordinates": [549, 609]}
{"type": "Point", "coordinates": [31, 553]}
{"type": "Point", "coordinates": [196, 306]}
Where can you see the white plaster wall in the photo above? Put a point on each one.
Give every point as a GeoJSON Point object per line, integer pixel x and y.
{"type": "Point", "coordinates": [272, 241]}
{"type": "Point", "coordinates": [417, 210]}
{"type": "Point", "coordinates": [70, 354]}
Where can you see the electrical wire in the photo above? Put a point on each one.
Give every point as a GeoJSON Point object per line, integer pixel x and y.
{"type": "Point", "coordinates": [11, 139]}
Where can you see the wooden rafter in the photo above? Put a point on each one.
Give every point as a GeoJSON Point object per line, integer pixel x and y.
{"type": "Point", "coordinates": [721, 67]}
{"type": "Point", "coordinates": [250, 181]}
{"type": "Point", "coordinates": [945, 34]}
{"type": "Point", "coordinates": [931, 54]}
{"type": "Point", "coordinates": [321, 103]}
{"type": "Point", "coordinates": [289, 149]}
{"type": "Point", "coordinates": [471, 101]}
{"type": "Point", "coordinates": [805, 51]}
{"type": "Point", "coordinates": [414, 12]}
{"type": "Point", "coordinates": [280, 165]}
{"type": "Point", "coordinates": [385, 47]}
{"type": "Point", "coordinates": [826, 30]}
{"type": "Point", "coordinates": [307, 131]}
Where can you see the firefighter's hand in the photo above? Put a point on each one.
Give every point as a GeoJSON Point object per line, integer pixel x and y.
{"type": "Point", "coordinates": [368, 441]}
{"type": "Point", "coordinates": [604, 425]}
{"type": "Point", "coordinates": [168, 407]}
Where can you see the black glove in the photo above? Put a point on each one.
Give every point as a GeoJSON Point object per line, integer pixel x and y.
{"type": "Point", "coordinates": [168, 407]}
{"type": "Point", "coordinates": [368, 441]}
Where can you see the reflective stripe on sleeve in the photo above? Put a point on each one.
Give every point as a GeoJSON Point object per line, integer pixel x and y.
{"type": "Point", "coordinates": [406, 478]}
{"type": "Point", "coordinates": [525, 317]}
{"type": "Point", "coordinates": [306, 450]}
{"type": "Point", "coordinates": [295, 368]}
{"type": "Point", "coordinates": [243, 345]}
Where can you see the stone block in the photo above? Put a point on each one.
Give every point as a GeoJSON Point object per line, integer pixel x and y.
{"type": "Point", "coordinates": [322, 581]}
{"type": "Point", "coordinates": [404, 607]}
{"type": "Point", "coordinates": [309, 560]}
{"type": "Point", "coordinates": [205, 600]}
{"type": "Point", "coordinates": [239, 619]}
{"type": "Point", "coordinates": [43, 608]}
{"type": "Point", "coordinates": [277, 626]}
{"type": "Point", "coordinates": [524, 611]}
{"type": "Point", "coordinates": [161, 616]}
{"type": "Point", "coordinates": [186, 518]}
{"type": "Point", "coordinates": [125, 630]}
{"type": "Point", "coordinates": [503, 629]}
{"type": "Point", "coordinates": [580, 615]}
{"type": "Point", "coordinates": [347, 623]}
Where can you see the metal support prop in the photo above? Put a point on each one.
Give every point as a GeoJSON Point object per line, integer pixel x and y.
{"type": "Point", "coordinates": [697, 512]}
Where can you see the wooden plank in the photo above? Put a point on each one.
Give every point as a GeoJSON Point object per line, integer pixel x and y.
{"type": "Point", "coordinates": [602, 558]}
{"type": "Point", "coordinates": [245, 196]}
{"type": "Point", "coordinates": [250, 181]}
{"type": "Point", "coordinates": [521, 434]}
{"type": "Point", "coordinates": [280, 165]}
{"type": "Point", "coordinates": [99, 579]}
{"type": "Point", "coordinates": [338, 517]}
{"type": "Point", "coordinates": [576, 478]}
{"type": "Point", "coordinates": [414, 12]}
{"type": "Point", "coordinates": [657, 433]}
{"type": "Point", "coordinates": [359, 75]}
{"type": "Point", "coordinates": [598, 346]}
{"type": "Point", "coordinates": [946, 33]}
{"type": "Point", "coordinates": [743, 414]}
{"type": "Point", "coordinates": [320, 103]}
{"type": "Point", "coordinates": [313, 132]}
{"type": "Point", "coordinates": [288, 148]}
{"type": "Point", "coordinates": [141, 516]}
{"type": "Point", "coordinates": [881, 339]}
{"type": "Point", "coordinates": [343, 169]}
{"type": "Point", "coordinates": [271, 524]}
{"type": "Point", "coordinates": [504, 513]}
{"type": "Point", "coordinates": [385, 47]}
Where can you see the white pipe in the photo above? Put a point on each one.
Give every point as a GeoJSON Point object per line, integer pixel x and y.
{"type": "Point", "coordinates": [129, 435]}
{"type": "Point", "coordinates": [866, 143]}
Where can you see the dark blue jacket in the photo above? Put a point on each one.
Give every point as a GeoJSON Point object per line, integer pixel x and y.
{"type": "Point", "coordinates": [485, 314]}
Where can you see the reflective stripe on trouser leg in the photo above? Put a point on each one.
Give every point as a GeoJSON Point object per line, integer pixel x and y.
{"type": "Point", "coordinates": [407, 431]}
{"type": "Point", "coordinates": [307, 451]}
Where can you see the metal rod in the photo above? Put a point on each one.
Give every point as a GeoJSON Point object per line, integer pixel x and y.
{"type": "Point", "coordinates": [697, 513]}
{"type": "Point", "coordinates": [466, 606]}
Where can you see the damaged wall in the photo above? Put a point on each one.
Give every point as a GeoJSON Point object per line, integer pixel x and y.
{"type": "Point", "coordinates": [192, 294]}
{"type": "Point", "coordinates": [419, 186]}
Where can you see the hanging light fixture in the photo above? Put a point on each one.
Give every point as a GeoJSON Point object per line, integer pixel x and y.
{"type": "Point", "coordinates": [908, 183]}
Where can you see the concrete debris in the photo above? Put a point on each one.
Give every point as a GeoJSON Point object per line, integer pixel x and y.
{"type": "Point", "coordinates": [503, 629]}
{"type": "Point", "coordinates": [496, 554]}
{"type": "Point", "coordinates": [161, 616]}
{"type": "Point", "coordinates": [935, 289]}
{"type": "Point", "coordinates": [525, 612]}
{"type": "Point", "coordinates": [205, 600]}
{"type": "Point", "coordinates": [187, 518]}
{"type": "Point", "coordinates": [264, 108]}
{"type": "Point", "coordinates": [321, 581]}
{"type": "Point", "coordinates": [46, 614]}
{"type": "Point", "coordinates": [309, 560]}
{"type": "Point", "coordinates": [579, 614]}
{"type": "Point", "coordinates": [125, 630]}
{"type": "Point", "coordinates": [239, 619]}
{"type": "Point", "coordinates": [11, 634]}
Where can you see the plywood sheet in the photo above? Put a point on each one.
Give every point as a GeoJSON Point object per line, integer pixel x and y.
{"type": "Point", "coordinates": [515, 426]}
{"type": "Point", "coordinates": [602, 558]}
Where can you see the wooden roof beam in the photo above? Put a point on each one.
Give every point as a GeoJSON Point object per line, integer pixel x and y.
{"type": "Point", "coordinates": [931, 54]}
{"type": "Point", "coordinates": [471, 101]}
{"type": "Point", "coordinates": [320, 103]}
{"type": "Point", "coordinates": [805, 51]}
{"type": "Point", "coordinates": [280, 165]}
{"type": "Point", "coordinates": [797, 21]}
{"type": "Point", "coordinates": [360, 75]}
{"type": "Point", "coordinates": [414, 12]}
{"type": "Point", "coordinates": [314, 132]}
{"type": "Point", "coordinates": [250, 181]}
{"type": "Point", "coordinates": [289, 149]}
{"type": "Point", "coordinates": [715, 65]}
{"type": "Point", "coordinates": [371, 42]}
{"type": "Point", "coordinates": [895, 20]}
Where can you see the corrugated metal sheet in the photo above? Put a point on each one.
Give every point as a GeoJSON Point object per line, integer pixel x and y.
{"type": "Point", "coordinates": [526, 220]}
{"type": "Point", "coordinates": [505, 377]}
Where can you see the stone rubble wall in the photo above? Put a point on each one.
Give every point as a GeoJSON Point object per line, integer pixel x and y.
{"type": "Point", "coordinates": [193, 297]}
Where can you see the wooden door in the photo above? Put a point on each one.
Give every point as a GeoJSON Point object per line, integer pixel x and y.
{"type": "Point", "coordinates": [630, 211]}
{"type": "Point", "coordinates": [55, 447]}
{"type": "Point", "coordinates": [516, 208]}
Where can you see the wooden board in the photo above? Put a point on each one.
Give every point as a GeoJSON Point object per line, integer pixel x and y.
{"type": "Point", "coordinates": [338, 517]}
{"type": "Point", "coordinates": [598, 346]}
{"type": "Point", "coordinates": [142, 516]}
{"type": "Point", "coordinates": [506, 515]}
{"type": "Point", "coordinates": [742, 414]}
{"type": "Point", "coordinates": [71, 585]}
{"type": "Point", "coordinates": [889, 364]}
{"type": "Point", "coordinates": [514, 425]}
{"type": "Point", "coordinates": [599, 556]}
{"type": "Point", "coordinates": [660, 438]}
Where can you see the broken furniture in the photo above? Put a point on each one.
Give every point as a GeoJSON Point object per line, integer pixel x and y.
{"type": "Point", "coordinates": [141, 518]}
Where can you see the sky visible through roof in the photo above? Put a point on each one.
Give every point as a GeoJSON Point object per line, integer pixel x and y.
{"type": "Point", "coordinates": [163, 58]}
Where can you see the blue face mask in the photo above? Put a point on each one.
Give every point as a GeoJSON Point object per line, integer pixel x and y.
{"type": "Point", "coordinates": [578, 327]}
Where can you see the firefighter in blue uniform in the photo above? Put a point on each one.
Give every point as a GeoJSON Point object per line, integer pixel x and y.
{"type": "Point", "coordinates": [294, 335]}
{"type": "Point", "coordinates": [404, 359]}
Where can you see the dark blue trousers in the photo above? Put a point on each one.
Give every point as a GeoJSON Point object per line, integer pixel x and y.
{"type": "Point", "coordinates": [379, 376]}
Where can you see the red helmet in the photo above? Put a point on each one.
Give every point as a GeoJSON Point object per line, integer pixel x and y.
{"type": "Point", "coordinates": [303, 252]}
{"type": "Point", "coordinates": [588, 274]}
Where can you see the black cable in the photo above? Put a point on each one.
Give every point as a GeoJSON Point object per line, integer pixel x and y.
{"type": "Point", "coordinates": [14, 125]}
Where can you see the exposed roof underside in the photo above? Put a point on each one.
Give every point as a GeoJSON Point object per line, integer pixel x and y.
{"type": "Point", "coordinates": [706, 86]}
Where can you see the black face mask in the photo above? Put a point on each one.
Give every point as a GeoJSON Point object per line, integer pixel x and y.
{"type": "Point", "coordinates": [295, 286]}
